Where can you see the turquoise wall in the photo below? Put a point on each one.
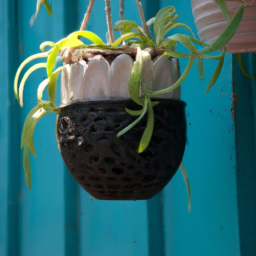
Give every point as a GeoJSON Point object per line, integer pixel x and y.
{"type": "Point", "coordinates": [56, 217]}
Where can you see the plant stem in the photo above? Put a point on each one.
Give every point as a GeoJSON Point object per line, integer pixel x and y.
{"type": "Point", "coordinates": [109, 21]}
{"type": "Point", "coordinates": [121, 13]}
{"type": "Point", "coordinates": [87, 15]}
{"type": "Point", "coordinates": [180, 80]}
{"type": "Point", "coordinates": [142, 17]}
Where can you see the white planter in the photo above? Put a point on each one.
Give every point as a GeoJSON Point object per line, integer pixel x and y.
{"type": "Point", "coordinates": [99, 80]}
{"type": "Point", "coordinates": [210, 23]}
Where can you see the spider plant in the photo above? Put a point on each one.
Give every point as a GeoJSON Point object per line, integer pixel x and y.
{"type": "Point", "coordinates": [131, 36]}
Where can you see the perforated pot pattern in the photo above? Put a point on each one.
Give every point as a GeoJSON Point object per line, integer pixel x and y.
{"type": "Point", "coordinates": [110, 168]}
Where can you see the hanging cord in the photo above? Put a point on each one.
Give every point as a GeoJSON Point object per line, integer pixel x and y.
{"type": "Point", "coordinates": [121, 7]}
{"type": "Point", "coordinates": [109, 21]}
{"type": "Point", "coordinates": [142, 17]}
{"type": "Point", "coordinates": [87, 15]}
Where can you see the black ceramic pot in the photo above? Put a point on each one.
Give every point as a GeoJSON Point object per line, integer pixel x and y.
{"type": "Point", "coordinates": [110, 168]}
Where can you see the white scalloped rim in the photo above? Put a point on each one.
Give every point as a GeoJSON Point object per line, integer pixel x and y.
{"type": "Point", "coordinates": [98, 80]}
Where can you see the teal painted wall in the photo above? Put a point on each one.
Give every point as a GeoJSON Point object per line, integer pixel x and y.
{"type": "Point", "coordinates": [56, 217]}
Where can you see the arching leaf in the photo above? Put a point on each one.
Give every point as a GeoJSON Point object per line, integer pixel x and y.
{"type": "Point", "coordinates": [140, 36]}
{"type": "Point", "coordinates": [129, 127]}
{"type": "Point", "coordinates": [51, 60]}
{"type": "Point", "coordinates": [185, 177]}
{"type": "Point", "coordinates": [227, 34]}
{"type": "Point", "coordinates": [22, 65]}
{"type": "Point", "coordinates": [146, 137]}
{"type": "Point", "coordinates": [25, 77]}
{"type": "Point", "coordinates": [216, 74]}
{"type": "Point", "coordinates": [88, 35]}
{"type": "Point", "coordinates": [52, 85]}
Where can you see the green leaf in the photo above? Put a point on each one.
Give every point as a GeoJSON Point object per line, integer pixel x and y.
{"type": "Point", "coordinates": [38, 5]}
{"type": "Point", "coordinates": [22, 65]}
{"type": "Point", "coordinates": [216, 74]}
{"type": "Point", "coordinates": [48, 7]}
{"type": "Point", "coordinates": [161, 16]}
{"type": "Point", "coordinates": [41, 88]}
{"type": "Point", "coordinates": [140, 36]}
{"type": "Point", "coordinates": [167, 43]}
{"type": "Point", "coordinates": [175, 54]}
{"type": "Point", "coordinates": [227, 34]}
{"type": "Point", "coordinates": [241, 65]}
{"type": "Point", "coordinates": [29, 126]}
{"type": "Point", "coordinates": [129, 127]}
{"type": "Point", "coordinates": [25, 77]}
{"type": "Point", "coordinates": [198, 42]}
{"type": "Point", "coordinates": [56, 132]}
{"type": "Point", "coordinates": [69, 42]}
{"type": "Point", "coordinates": [185, 177]}
{"type": "Point", "coordinates": [134, 81]}
{"type": "Point", "coordinates": [26, 166]}
{"type": "Point", "coordinates": [49, 108]}
{"type": "Point", "coordinates": [31, 121]}
{"type": "Point", "coordinates": [146, 137]}
{"type": "Point", "coordinates": [139, 112]}
{"type": "Point", "coordinates": [223, 6]}
{"type": "Point", "coordinates": [134, 112]}
{"type": "Point", "coordinates": [47, 43]}
{"type": "Point", "coordinates": [178, 82]}
{"type": "Point", "coordinates": [184, 40]}
{"type": "Point", "coordinates": [51, 60]}
{"type": "Point", "coordinates": [52, 85]}
{"type": "Point", "coordinates": [201, 69]}
{"type": "Point", "coordinates": [136, 44]}
{"type": "Point", "coordinates": [88, 35]}
{"type": "Point", "coordinates": [121, 24]}
{"type": "Point", "coordinates": [27, 134]}
{"type": "Point", "coordinates": [151, 21]}
{"type": "Point", "coordinates": [169, 27]}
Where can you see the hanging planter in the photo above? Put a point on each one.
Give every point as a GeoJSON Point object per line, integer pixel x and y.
{"type": "Point", "coordinates": [210, 23]}
{"type": "Point", "coordinates": [121, 126]}
{"type": "Point", "coordinates": [108, 167]}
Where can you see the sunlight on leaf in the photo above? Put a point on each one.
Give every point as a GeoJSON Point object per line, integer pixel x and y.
{"type": "Point", "coordinates": [48, 43]}
{"type": "Point", "coordinates": [88, 35]}
{"type": "Point", "coordinates": [25, 77]}
{"type": "Point", "coordinates": [51, 60]}
{"type": "Point", "coordinates": [41, 88]}
{"type": "Point", "coordinates": [52, 85]}
{"type": "Point", "coordinates": [27, 134]}
{"type": "Point", "coordinates": [22, 65]}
